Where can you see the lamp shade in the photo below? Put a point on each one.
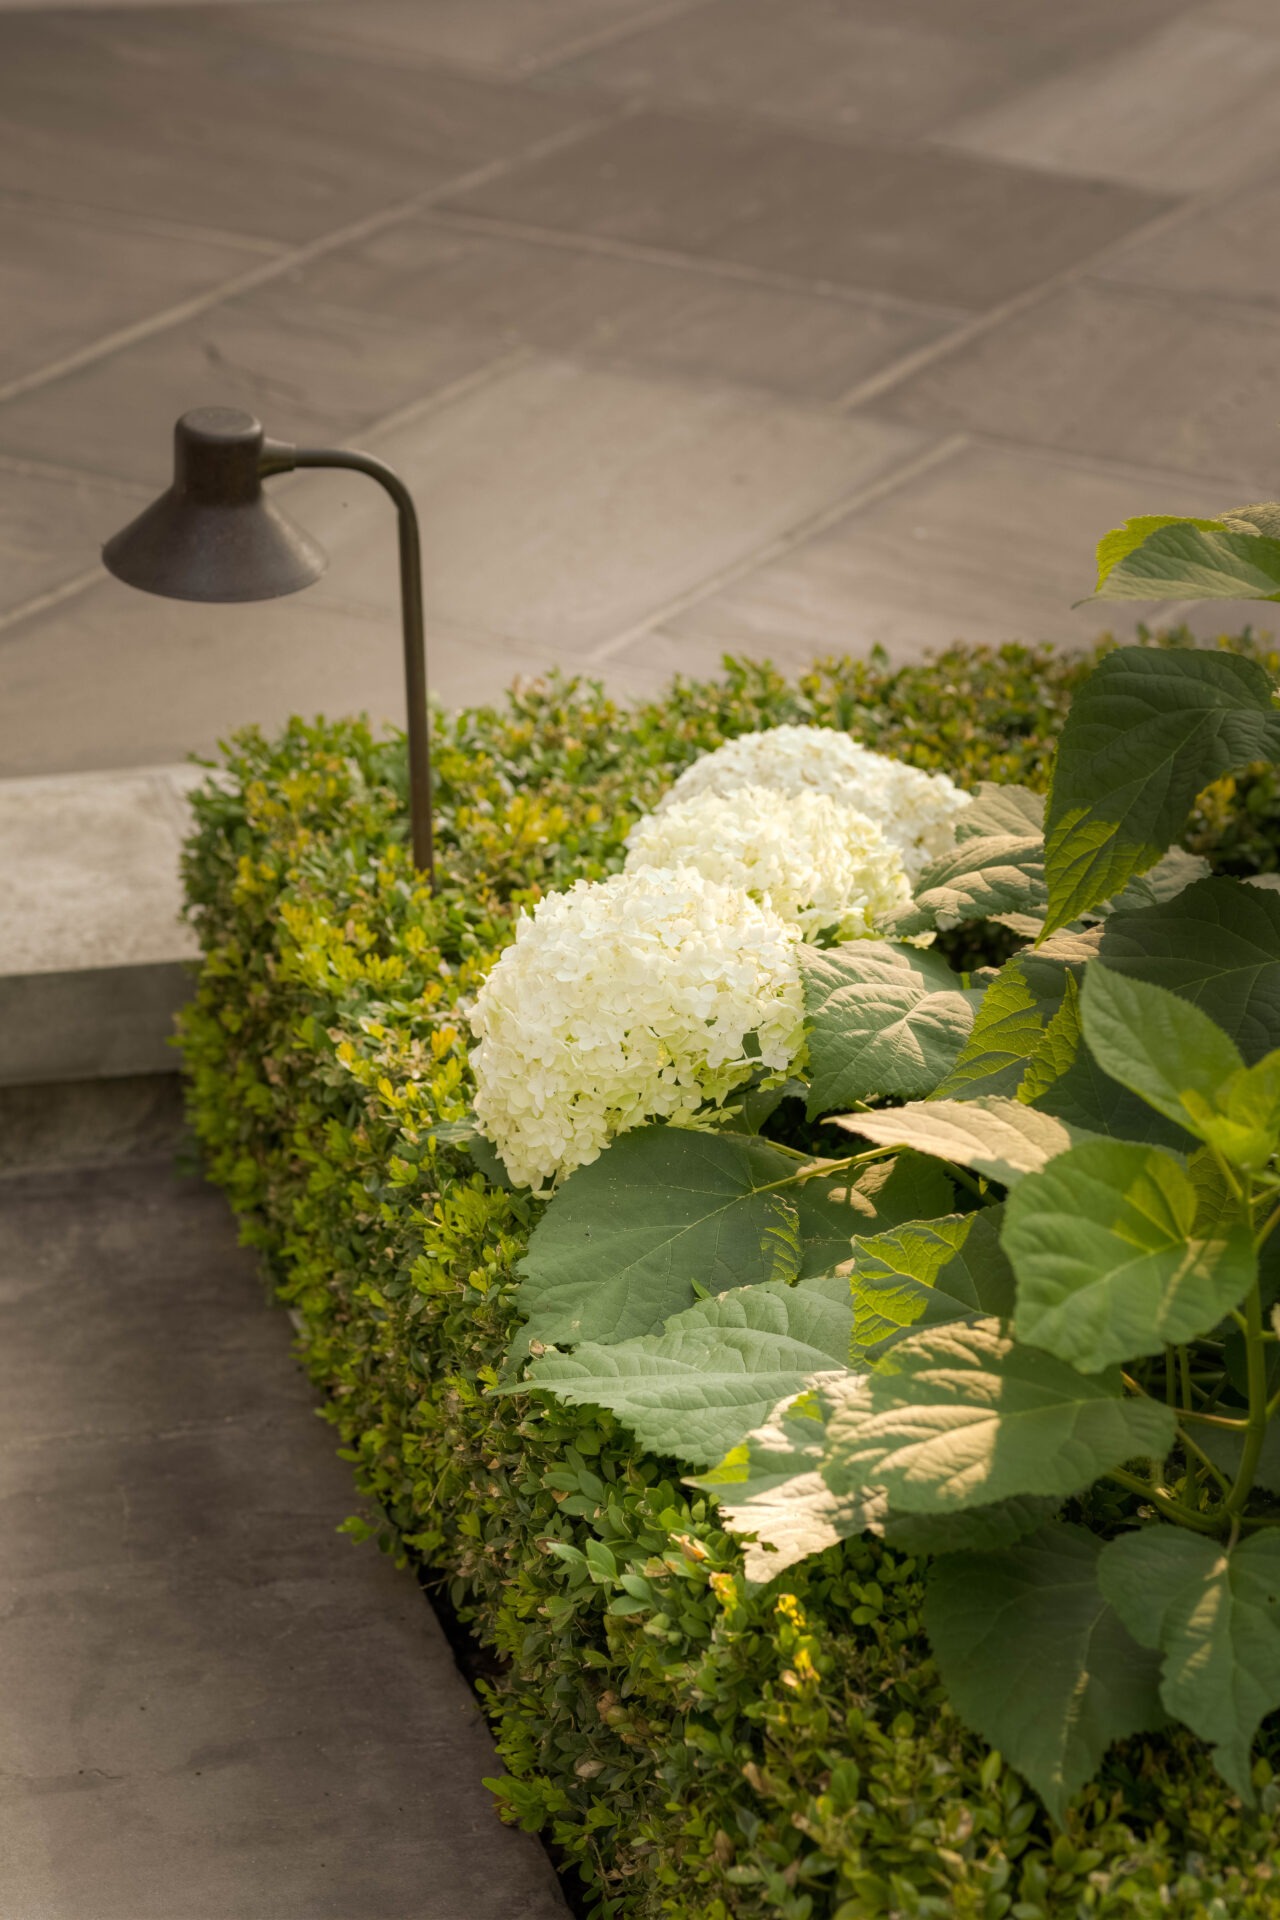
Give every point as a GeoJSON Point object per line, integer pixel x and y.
{"type": "Point", "coordinates": [215, 535]}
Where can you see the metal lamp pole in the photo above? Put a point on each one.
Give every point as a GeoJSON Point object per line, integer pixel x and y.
{"type": "Point", "coordinates": [214, 535]}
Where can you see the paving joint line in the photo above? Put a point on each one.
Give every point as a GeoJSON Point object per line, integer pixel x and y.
{"type": "Point", "coordinates": [937, 454]}
{"type": "Point", "coordinates": [569, 240]}
{"type": "Point", "coordinates": [1169, 219]}
{"type": "Point", "coordinates": [281, 264]}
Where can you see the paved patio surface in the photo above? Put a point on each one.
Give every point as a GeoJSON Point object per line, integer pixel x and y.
{"type": "Point", "coordinates": [213, 1706]}
{"type": "Point", "coordinates": [778, 325]}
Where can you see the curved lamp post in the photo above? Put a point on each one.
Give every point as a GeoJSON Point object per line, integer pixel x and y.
{"type": "Point", "coordinates": [214, 535]}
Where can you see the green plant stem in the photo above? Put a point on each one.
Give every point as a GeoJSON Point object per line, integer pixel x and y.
{"type": "Point", "coordinates": [1164, 1502]}
{"type": "Point", "coordinates": [1214, 1420]}
{"type": "Point", "coordinates": [1184, 1368]}
{"type": "Point", "coordinates": [1268, 1227]}
{"type": "Point", "coordinates": [1200, 1454]}
{"type": "Point", "coordinates": [1259, 1410]}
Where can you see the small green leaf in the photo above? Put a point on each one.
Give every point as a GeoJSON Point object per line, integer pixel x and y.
{"type": "Point", "coordinates": [1012, 1018]}
{"type": "Point", "coordinates": [1215, 1616]}
{"type": "Point", "coordinates": [1108, 1261]}
{"type": "Point", "coordinates": [1122, 541]}
{"type": "Point", "coordinates": [882, 1019]}
{"type": "Point", "coordinates": [1147, 730]}
{"type": "Point", "coordinates": [971, 1417]}
{"type": "Point", "coordinates": [927, 1274]}
{"type": "Point", "coordinates": [1037, 1661]}
{"type": "Point", "coordinates": [998, 1137]}
{"type": "Point", "coordinates": [979, 878]}
{"type": "Point", "coordinates": [771, 1486]}
{"type": "Point", "coordinates": [718, 1370]}
{"type": "Point", "coordinates": [831, 1210]}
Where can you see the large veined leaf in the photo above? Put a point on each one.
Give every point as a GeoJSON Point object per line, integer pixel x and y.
{"type": "Point", "coordinates": [1108, 1258]}
{"type": "Point", "coordinates": [718, 1370]}
{"type": "Point", "coordinates": [830, 1211]}
{"type": "Point", "coordinates": [1037, 1661]}
{"type": "Point", "coordinates": [1215, 1616]}
{"type": "Point", "coordinates": [971, 1417]}
{"type": "Point", "coordinates": [1179, 1060]}
{"type": "Point", "coordinates": [981, 877]}
{"type": "Point", "coordinates": [926, 1274]}
{"type": "Point", "coordinates": [882, 1019]}
{"type": "Point", "coordinates": [1064, 1078]}
{"type": "Point", "coordinates": [998, 1137]}
{"type": "Point", "coordinates": [771, 1485]}
{"type": "Point", "coordinates": [999, 808]}
{"type": "Point", "coordinates": [1217, 945]}
{"type": "Point", "coordinates": [1013, 1015]}
{"type": "Point", "coordinates": [1172, 874]}
{"type": "Point", "coordinates": [663, 1213]}
{"type": "Point", "coordinates": [974, 1529]}
{"type": "Point", "coordinates": [1147, 730]}
{"type": "Point", "coordinates": [668, 1214]}
{"type": "Point", "coordinates": [1163, 557]}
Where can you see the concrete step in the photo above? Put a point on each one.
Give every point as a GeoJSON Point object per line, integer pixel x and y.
{"type": "Point", "coordinates": [94, 958]}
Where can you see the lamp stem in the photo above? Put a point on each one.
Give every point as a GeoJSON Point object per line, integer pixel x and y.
{"type": "Point", "coordinates": [277, 458]}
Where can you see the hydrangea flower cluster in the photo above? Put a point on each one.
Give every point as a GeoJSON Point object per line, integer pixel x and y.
{"type": "Point", "coordinates": [817, 863]}
{"type": "Point", "coordinates": [916, 810]}
{"type": "Point", "coordinates": [624, 1001]}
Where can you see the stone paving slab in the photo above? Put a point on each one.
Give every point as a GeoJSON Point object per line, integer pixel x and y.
{"type": "Point", "coordinates": [215, 1708]}
{"type": "Point", "coordinates": [742, 231]}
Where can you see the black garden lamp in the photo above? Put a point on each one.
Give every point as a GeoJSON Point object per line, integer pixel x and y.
{"type": "Point", "coordinates": [214, 535]}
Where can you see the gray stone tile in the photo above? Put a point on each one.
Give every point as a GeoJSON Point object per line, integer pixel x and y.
{"type": "Point", "coordinates": [884, 68]}
{"type": "Point", "coordinates": [310, 369]}
{"type": "Point", "coordinates": [215, 1709]}
{"type": "Point", "coordinates": [929, 226]}
{"type": "Point", "coordinates": [1230, 250]}
{"type": "Point", "coordinates": [51, 528]}
{"type": "Point", "coordinates": [115, 678]}
{"type": "Point", "coordinates": [995, 544]}
{"type": "Point", "coordinates": [1119, 372]}
{"type": "Point", "coordinates": [1193, 106]}
{"type": "Point", "coordinates": [562, 503]}
{"type": "Point", "coordinates": [505, 36]}
{"type": "Point", "coordinates": [68, 278]}
{"type": "Point", "coordinates": [204, 116]}
{"type": "Point", "coordinates": [622, 311]}
{"type": "Point", "coordinates": [1260, 16]}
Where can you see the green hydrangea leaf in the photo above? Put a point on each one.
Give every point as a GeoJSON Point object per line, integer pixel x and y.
{"type": "Point", "coordinates": [1001, 809]}
{"type": "Point", "coordinates": [981, 877]}
{"type": "Point", "coordinates": [1215, 1616]}
{"type": "Point", "coordinates": [976, 1529]}
{"type": "Point", "coordinates": [1148, 729]}
{"type": "Point", "coordinates": [830, 1212]}
{"type": "Point", "coordinates": [1037, 1660]}
{"type": "Point", "coordinates": [718, 1370]}
{"type": "Point", "coordinates": [971, 1417]}
{"type": "Point", "coordinates": [1170, 1052]}
{"type": "Point", "coordinates": [1108, 1259]}
{"type": "Point", "coordinates": [927, 1274]}
{"type": "Point", "coordinates": [1159, 557]}
{"type": "Point", "coordinates": [663, 1213]}
{"type": "Point", "coordinates": [882, 1019]}
{"type": "Point", "coordinates": [770, 1487]}
{"type": "Point", "coordinates": [1217, 945]}
{"type": "Point", "coordinates": [1012, 1018]}
{"type": "Point", "coordinates": [999, 1137]}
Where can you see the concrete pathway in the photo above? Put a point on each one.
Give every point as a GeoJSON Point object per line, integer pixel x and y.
{"type": "Point", "coordinates": [784, 325]}
{"type": "Point", "coordinates": [212, 1707]}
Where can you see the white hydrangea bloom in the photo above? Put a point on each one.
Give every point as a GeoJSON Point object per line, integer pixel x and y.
{"type": "Point", "coordinates": [817, 863]}
{"type": "Point", "coordinates": [624, 1001]}
{"type": "Point", "coordinates": [916, 810]}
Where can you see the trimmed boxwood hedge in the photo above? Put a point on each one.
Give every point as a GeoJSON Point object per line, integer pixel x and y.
{"type": "Point", "coordinates": [690, 1748]}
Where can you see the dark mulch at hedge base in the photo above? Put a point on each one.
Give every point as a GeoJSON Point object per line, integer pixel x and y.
{"type": "Point", "coordinates": [690, 1748]}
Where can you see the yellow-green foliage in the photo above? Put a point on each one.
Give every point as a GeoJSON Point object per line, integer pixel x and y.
{"type": "Point", "coordinates": [691, 1749]}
